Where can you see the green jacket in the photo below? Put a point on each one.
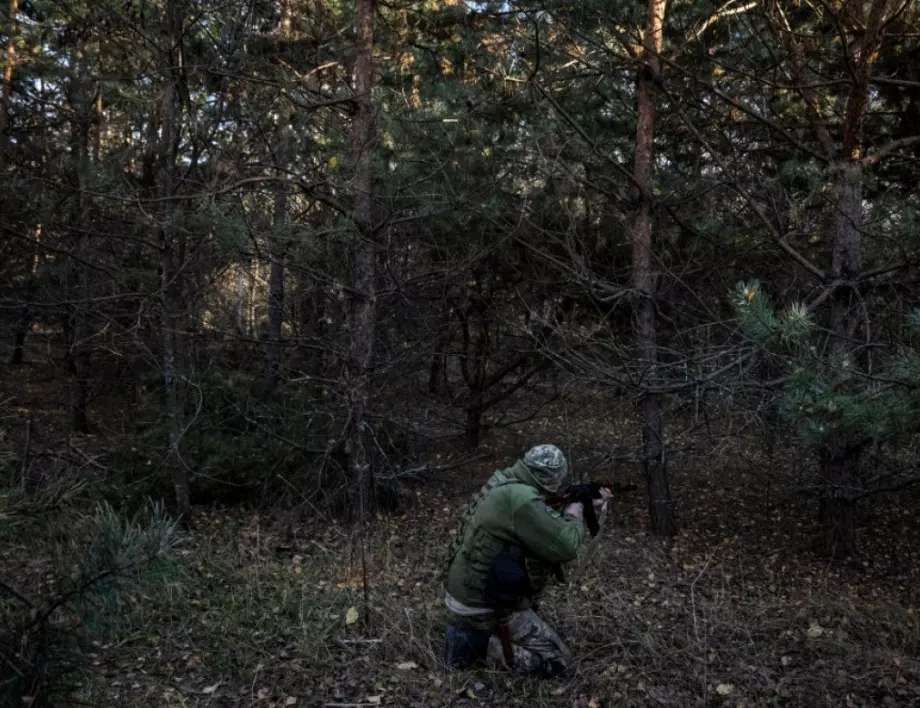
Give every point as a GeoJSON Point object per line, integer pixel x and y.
{"type": "Point", "coordinates": [509, 512]}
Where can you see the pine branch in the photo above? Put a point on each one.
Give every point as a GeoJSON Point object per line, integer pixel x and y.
{"type": "Point", "coordinates": [18, 595]}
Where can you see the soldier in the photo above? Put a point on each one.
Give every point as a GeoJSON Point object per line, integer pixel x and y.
{"type": "Point", "coordinates": [508, 544]}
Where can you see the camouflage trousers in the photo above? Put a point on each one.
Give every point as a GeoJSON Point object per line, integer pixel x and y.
{"type": "Point", "coordinates": [536, 647]}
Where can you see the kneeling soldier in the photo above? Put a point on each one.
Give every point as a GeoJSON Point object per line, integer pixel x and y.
{"type": "Point", "coordinates": [508, 544]}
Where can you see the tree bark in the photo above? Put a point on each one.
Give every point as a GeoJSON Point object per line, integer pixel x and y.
{"type": "Point", "coordinates": [363, 312]}
{"type": "Point", "coordinates": [661, 513]}
{"type": "Point", "coordinates": [240, 300]}
{"type": "Point", "coordinates": [840, 471]}
{"type": "Point", "coordinates": [19, 342]}
{"type": "Point", "coordinates": [839, 463]}
{"type": "Point", "coordinates": [280, 234]}
{"type": "Point", "coordinates": [79, 356]}
{"type": "Point", "coordinates": [472, 430]}
{"type": "Point", "coordinates": [276, 292]}
{"type": "Point", "coordinates": [79, 420]}
{"type": "Point", "coordinates": [6, 90]}
{"type": "Point", "coordinates": [170, 294]}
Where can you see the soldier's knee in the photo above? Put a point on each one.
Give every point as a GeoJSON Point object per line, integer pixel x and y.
{"type": "Point", "coordinates": [527, 661]}
{"type": "Point", "coordinates": [463, 647]}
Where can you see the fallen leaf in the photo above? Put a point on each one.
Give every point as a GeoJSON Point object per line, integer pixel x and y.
{"type": "Point", "coordinates": [351, 616]}
{"type": "Point", "coordinates": [815, 630]}
{"type": "Point", "coordinates": [407, 666]}
{"type": "Point", "coordinates": [593, 703]}
{"type": "Point", "coordinates": [376, 700]}
{"type": "Point", "coordinates": [211, 689]}
{"type": "Point", "coordinates": [724, 689]}
{"type": "Point", "coordinates": [290, 701]}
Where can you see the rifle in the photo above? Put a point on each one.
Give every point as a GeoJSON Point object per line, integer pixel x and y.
{"type": "Point", "coordinates": [585, 493]}
{"type": "Point", "coordinates": [504, 636]}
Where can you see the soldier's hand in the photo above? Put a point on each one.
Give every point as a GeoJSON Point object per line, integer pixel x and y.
{"type": "Point", "coordinates": [606, 495]}
{"type": "Point", "coordinates": [577, 510]}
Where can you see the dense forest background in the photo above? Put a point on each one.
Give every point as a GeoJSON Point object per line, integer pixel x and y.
{"type": "Point", "coordinates": [332, 262]}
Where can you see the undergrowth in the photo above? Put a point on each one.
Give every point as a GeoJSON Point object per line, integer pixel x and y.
{"type": "Point", "coordinates": [67, 576]}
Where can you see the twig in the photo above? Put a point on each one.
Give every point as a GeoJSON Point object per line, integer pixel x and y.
{"type": "Point", "coordinates": [365, 586]}
{"type": "Point", "coordinates": [15, 593]}
{"type": "Point", "coordinates": [426, 469]}
{"type": "Point", "coordinates": [884, 151]}
{"type": "Point", "coordinates": [696, 629]}
{"type": "Point", "coordinates": [27, 449]}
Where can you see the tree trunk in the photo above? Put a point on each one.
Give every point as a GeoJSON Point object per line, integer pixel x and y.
{"type": "Point", "coordinates": [78, 369]}
{"type": "Point", "coordinates": [661, 511]}
{"type": "Point", "coordinates": [840, 463]}
{"type": "Point", "coordinates": [19, 341]}
{"type": "Point", "coordinates": [79, 360]}
{"type": "Point", "coordinates": [173, 410]}
{"type": "Point", "coordinates": [363, 312]}
{"type": "Point", "coordinates": [280, 235]}
{"type": "Point", "coordinates": [79, 420]}
{"type": "Point", "coordinates": [276, 292]}
{"type": "Point", "coordinates": [6, 90]}
{"type": "Point", "coordinates": [170, 289]}
{"type": "Point", "coordinates": [839, 470]}
{"type": "Point", "coordinates": [472, 431]}
{"type": "Point", "coordinates": [437, 367]}
{"type": "Point", "coordinates": [240, 300]}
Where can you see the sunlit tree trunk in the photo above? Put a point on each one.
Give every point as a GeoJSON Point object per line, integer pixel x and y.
{"type": "Point", "coordinates": [6, 91]}
{"type": "Point", "coordinates": [660, 505]}
{"type": "Point", "coordinates": [21, 326]}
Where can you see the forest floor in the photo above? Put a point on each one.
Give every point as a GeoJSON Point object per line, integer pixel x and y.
{"type": "Point", "coordinates": [727, 613]}
{"type": "Point", "coordinates": [282, 608]}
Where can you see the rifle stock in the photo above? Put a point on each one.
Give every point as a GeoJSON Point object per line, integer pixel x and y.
{"type": "Point", "coordinates": [504, 636]}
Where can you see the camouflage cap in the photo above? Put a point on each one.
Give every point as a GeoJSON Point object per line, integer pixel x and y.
{"type": "Point", "coordinates": [548, 466]}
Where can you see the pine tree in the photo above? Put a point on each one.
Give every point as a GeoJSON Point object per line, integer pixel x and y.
{"type": "Point", "coordinates": [834, 403]}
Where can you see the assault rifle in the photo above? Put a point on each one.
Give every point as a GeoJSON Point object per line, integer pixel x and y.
{"type": "Point", "coordinates": [585, 493]}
